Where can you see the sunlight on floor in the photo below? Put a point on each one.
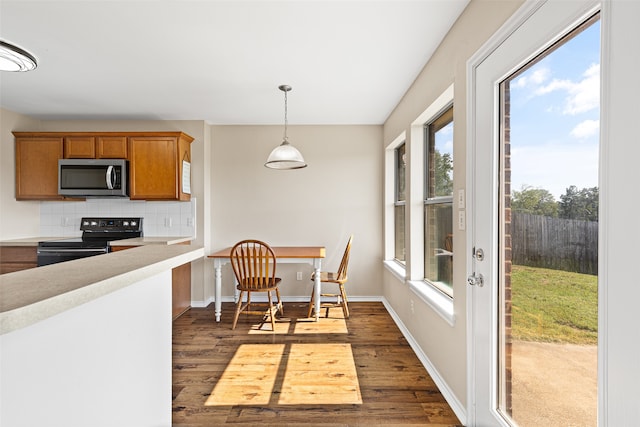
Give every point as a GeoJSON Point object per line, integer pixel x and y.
{"type": "Point", "coordinates": [284, 325]}
{"type": "Point", "coordinates": [250, 377]}
{"type": "Point", "coordinates": [320, 374]}
{"type": "Point", "coordinates": [288, 374]}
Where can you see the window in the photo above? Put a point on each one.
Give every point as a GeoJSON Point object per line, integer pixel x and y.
{"type": "Point", "coordinates": [400, 200]}
{"type": "Point", "coordinates": [438, 202]}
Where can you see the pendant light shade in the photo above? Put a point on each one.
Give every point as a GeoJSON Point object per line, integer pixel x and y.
{"type": "Point", "coordinates": [12, 58]}
{"type": "Point", "coordinates": [285, 155]}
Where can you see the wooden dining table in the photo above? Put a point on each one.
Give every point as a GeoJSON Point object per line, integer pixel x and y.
{"type": "Point", "coordinates": [284, 254]}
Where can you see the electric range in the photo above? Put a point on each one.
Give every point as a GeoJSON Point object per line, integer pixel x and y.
{"type": "Point", "coordinates": [96, 235]}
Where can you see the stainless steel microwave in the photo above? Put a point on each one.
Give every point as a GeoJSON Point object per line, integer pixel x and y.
{"type": "Point", "coordinates": [93, 178]}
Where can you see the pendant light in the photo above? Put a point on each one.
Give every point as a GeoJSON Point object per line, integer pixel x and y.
{"type": "Point", "coordinates": [12, 58]}
{"type": "Point", "coordinates": [285, 155]}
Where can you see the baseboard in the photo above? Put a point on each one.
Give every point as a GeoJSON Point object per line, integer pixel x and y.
{"type": "Point", "coordinates": [203, 304]}
{"type": "Point", "coordinates": [448, 394]}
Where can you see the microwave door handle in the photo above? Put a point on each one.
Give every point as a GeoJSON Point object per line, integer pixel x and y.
{"type": "Point", "coordinates": [110, 177]}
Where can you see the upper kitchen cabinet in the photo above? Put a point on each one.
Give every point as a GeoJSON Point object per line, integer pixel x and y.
{"type": "Point", "coordinates": [37, 167]}
{"type": "Point", "coordinates": [95, 147]}
{"type": "Point", "coordinates": [157, 163]}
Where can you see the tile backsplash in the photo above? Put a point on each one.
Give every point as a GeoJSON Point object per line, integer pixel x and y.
{"type": "Point", "coordinates": [159, 218]}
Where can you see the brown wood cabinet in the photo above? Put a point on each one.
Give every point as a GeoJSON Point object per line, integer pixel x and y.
{"type": "Point", "coordinates": [112, 147]}
{"type": "Point", "coordinates": [181, 290]}
{"type": "Point", "coordinates": [79, 147]}
{"type": "Point", "coordinates": [37, 167]}
{"type": "Point", "coordinates": [155, 161]}
{"type": "Point", "coordinates": [95, 147]}
{"type": "Point", "coordinates": [16, 258]}
{"type": "Point", "coordinates": [156, 166]}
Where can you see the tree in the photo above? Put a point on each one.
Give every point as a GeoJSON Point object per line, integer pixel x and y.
{"type": "Point", "coordinates": [444, 169]}
{"type": "Point", "coordinates": [580, 204]}
{"type": "Point", "coordinates": [536, 201]}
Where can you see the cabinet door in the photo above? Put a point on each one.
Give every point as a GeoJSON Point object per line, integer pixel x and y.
{"type": "Point", "coordinates": [153, 168]}
{"type": "Point", "coordinates": [79, 147]}
{"type": "Point", "coordinates": [112, 147]}
{"type": "Point", "coordinates": [17, 258]}
{"type": "Point", "coordinates": [37, 168]}
{"type": "Point", "coordinates": [181, 289]}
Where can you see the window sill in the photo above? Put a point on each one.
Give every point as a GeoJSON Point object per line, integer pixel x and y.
{"type": "Point", "coordinates": [440, 303]}
{"type": "Point", "coordinates": [397, 269]}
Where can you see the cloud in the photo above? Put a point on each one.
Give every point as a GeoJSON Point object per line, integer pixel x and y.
{"type": "Point", "coordinates": [586, 129]}
{"type": "Point", "coordinates": [582, 96]}
{"type": "Point", "coordinates": [537, 77]}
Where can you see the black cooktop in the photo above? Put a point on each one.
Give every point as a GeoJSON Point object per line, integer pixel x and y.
{"type": "Point", "coordinates": [98, 232]}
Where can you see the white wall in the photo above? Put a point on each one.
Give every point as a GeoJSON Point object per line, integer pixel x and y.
{"type": "Point", "coordinates": [103, 363]}
{"type": "Point", "coordinates": [337, 194]}
{"type": "Point", "coordinates": [17, 219]}
{"type": "Point", "coordinates": [445, 346]}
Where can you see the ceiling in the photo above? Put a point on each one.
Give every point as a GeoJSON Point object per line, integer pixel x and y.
{"type": "Point", "coordinates": [349, 62]}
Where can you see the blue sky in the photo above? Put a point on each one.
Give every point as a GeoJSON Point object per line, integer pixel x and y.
{"type": "Point", "coordinates": [555, 118]}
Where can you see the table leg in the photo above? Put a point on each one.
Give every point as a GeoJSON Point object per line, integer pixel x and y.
{"type": "Point", "coordinates": [316, 288]}
{"type": "Point", "coordinates": [218, 290]}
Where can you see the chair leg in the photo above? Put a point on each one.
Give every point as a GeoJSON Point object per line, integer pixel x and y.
{"type": "Point", "coordinates": [271, 312]}
{"type": "Point", "coordinates": [238, 307]}
{"type": "Point", "coordinates": [280, 303]}
{"type": "Point", "coordinates": [345, 307]}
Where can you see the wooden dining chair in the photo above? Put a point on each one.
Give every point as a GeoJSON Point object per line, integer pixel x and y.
{"type": "Point", "coordinates": [339, 278]}
{"type": "Point", "coordinates": [254, 265]}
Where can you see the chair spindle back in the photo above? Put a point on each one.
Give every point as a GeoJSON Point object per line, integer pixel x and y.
{"type": "Point", "coordinates": [254, 264]}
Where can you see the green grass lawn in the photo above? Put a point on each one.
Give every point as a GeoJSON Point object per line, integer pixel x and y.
{"type": "Point", "coordinates": [554, 306]}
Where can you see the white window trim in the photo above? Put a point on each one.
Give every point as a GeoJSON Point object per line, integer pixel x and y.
{"type": "Point", "coordinates": [442, 304]}
{"type": "Point", "coordinates": [389, 203]}
{"type": "Point", "coordinates": [397, 269]}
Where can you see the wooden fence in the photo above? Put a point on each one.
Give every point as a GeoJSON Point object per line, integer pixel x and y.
{"type": "Point", "coordinates": [559, 244]}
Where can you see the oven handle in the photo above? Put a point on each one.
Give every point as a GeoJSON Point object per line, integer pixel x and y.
{"type": "Point", "coordinates": [72, 251]}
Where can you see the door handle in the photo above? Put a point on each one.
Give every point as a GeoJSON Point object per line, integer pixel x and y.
{"type": "Point", "coordinates": [476, 279]}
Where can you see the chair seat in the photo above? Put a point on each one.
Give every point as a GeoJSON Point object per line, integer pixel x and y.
{"type": "Point", "coordinates": [326, 276]}
{"type": "Point", "coordinates": [245, 286]}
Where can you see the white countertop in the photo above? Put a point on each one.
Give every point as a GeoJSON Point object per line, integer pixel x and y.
{"type": "Point", "coordinates": [152, 240]}
{"type": "Point", "coordinates": [29, 296]}
{"type": "Point", "coordinates": [29, 241]}
{"type": "Point", "coordinates": [136, 241]}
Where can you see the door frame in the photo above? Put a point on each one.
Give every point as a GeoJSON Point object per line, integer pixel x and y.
{"type": "Point", "coordinates": [515, 22]}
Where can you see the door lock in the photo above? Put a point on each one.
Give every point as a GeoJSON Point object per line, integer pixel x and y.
{"type": "Point", "coordinates": [476, 279]}
{"type": "Point", "coordinates": [478, 254]}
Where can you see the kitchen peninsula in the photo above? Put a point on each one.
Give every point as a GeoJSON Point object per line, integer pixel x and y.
{"type": "Point", "coordinates": [99, 332]}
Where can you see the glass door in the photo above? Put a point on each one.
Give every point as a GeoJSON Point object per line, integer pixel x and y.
{"type": "Point", "coordinates": [533, 282]}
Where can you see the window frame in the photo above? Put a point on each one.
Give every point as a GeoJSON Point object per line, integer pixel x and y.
{"type": "Point", "coordinates": [438, 121]}
{"type": "Point", "coordinates": [398, 203]}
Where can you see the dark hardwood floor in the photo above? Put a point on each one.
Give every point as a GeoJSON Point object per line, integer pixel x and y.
{"type": "Point", "coordinates": [327, 373]}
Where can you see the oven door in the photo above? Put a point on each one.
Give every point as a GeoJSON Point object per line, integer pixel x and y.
{"type": "Point", "coordinates": [52, 255]}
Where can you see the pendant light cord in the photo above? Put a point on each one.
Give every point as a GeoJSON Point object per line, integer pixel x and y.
{"type": "Point", "coordinates": [285, 115]}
